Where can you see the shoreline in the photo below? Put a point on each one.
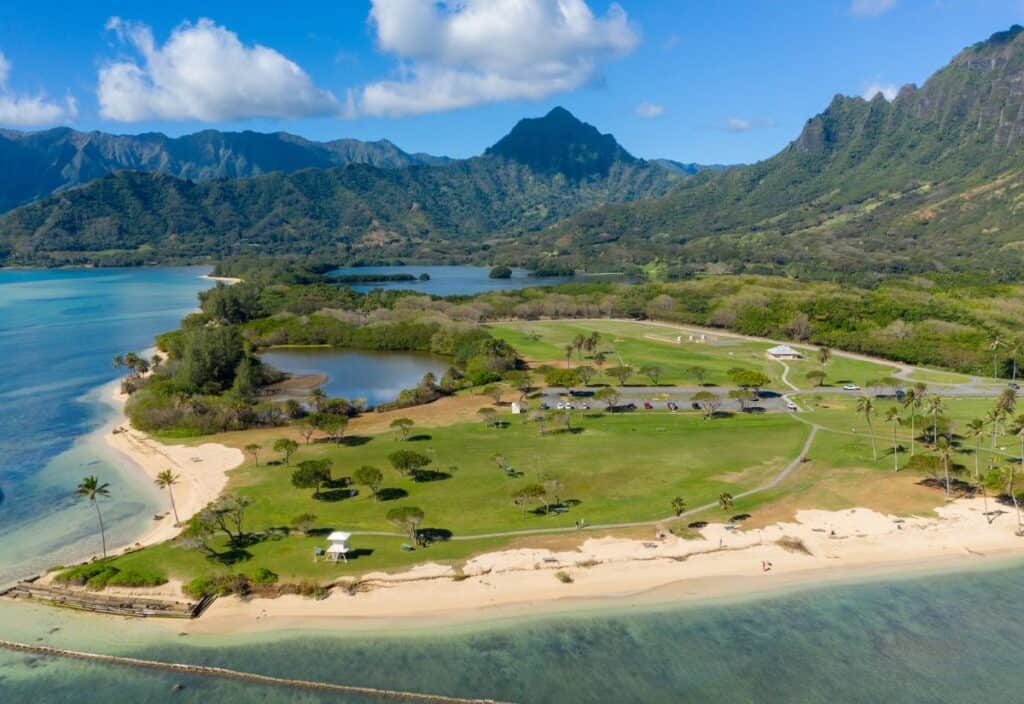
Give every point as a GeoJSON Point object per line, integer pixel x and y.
{"type": "Point", "coordinates": [822, 548]}
{"type": "Point", "coordinates": [202, 471]}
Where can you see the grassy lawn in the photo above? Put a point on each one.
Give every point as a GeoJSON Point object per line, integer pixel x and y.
{"type": "Point", "coordinates": [934, 376]}
{"type": "Point", "coordinates": [641, 344]}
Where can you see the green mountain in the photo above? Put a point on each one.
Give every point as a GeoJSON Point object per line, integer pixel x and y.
{"type": "Point", "coordinates": [36, 164]}
{"type": "Point", "coordinates": [458, 211]}
{"type": "Point", "coordinates": [933, 181]}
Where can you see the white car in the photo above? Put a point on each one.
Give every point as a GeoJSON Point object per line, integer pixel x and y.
{"type": "Point", "coordinates": [851, 387]}
{"type": "Point", "coordinates": [792, 406]}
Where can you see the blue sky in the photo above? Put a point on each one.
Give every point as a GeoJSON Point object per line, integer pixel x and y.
{"type": "Point", "coordinates": [727, 81]}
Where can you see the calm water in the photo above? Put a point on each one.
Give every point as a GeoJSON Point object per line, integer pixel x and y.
{"type": "Point", "coordinates": [374, 376]}
{"type": "Point", "coordinates": [450, 280]}
{"type": "Point", "coordinates": [58, 333]}
{"type": "Point", "coordinates": [936, 639]}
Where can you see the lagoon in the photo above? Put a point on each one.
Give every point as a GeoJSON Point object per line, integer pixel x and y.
{"type": "Point", "coordinates": [377, 377]}
{"type": "Point", "coordinates": [449, 280]}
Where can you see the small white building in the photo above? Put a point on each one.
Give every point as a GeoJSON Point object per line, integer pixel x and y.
{"type": "Point", "coordinates": [784, 352]}
{"type": "Point", "coordinates": [516, 408]}
{"type": "Point", "coordinates": [338, 547]}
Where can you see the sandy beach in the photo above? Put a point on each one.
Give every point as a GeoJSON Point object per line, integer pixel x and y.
{"type": "Point", "coordinates": [202, 470]}
{"type": "Point", "coordinates": [818, 547]}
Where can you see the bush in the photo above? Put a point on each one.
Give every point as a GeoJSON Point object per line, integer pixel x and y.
{"type": "Point", "coordinates": [563, 577]}
{"type": "Point", "coordinates": [264, 577]}
{"type": "Point", "coordinates": [201, 587]}
{"type": "Point", "coordinates": [100, 574]}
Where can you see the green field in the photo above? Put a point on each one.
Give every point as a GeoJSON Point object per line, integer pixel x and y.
{"type": "Point", "coordinates": [642, 344]}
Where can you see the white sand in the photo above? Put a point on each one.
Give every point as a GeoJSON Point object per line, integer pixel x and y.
{"type": "Point", "coordinates": [202, 471]}
{"type": "Point", "coordinates": [842, 544]}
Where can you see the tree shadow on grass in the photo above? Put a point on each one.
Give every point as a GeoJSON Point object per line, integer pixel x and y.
{"type": "Point", "coordinates": [722, 414]}
{"type": "Point", "coordinates": [391, 494]}
{"type": "Point", "coordinates": [422, 437]}
{"type": "Point", "coordinates": [333, 495]}
{"type": "Point", "coordinates": [355, 440]}
{"type": "Point", "coordinates": [232, 556]}
{"type": "Point", "coordinates": [434, 535]}
{"type": "Point", "coordinates": [429, 475]}
{"type": "Point", "coordinates": [359, 552]}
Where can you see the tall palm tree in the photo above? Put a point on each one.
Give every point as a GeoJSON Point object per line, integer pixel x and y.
{"type": "Point", "coordinates": [579, 342]}
{"type": "Point", "coordinates": [976, 430]}
{"type": "Point", "coordinates": [1016, 346]}
{"type": "Point", "coordinates": [935, 406]}
{"type": "Point", "coordinates": [893, 416]}
{"type": "Point", "coordinates": [568, 355]}
{"type": "Point", "coordinates": [994, 344]}
{"type": "Point", "coordinates": [92, 489]}
{"type": "Point", "coordinates": [866, 406]}
{"type": "Point", "coordinates": [912, 401]}
{"type": "Point", "coordinates": [945, 451]}
{"type": "Point", "coordinates": [166, 480]}
{"type": "Point", "coordinates": [1007, 400]}
{"type": "Point", "coordinates": [995, 418]}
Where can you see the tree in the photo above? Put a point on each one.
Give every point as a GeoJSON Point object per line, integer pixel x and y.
{"type": "Point", "coordinates": [317, 399]}
{"type": "Point", "coordinates": [568, 356]}
{"type": "Point", "coordinates": [994, 344]}
{"type": "Point", "coordinates": [653, 373]}
{"type": "Point", "coordinates": [816, 377]}
{"type": "Point", "coordinates": [408, 462]}
{"type": "Point", "coordinates": [609, 395]}
{"type": "Point", "coordinates": [893, 416]}
{"type": "Point", "coordinates": [521, 382]}
{"type": "Point", "coordinates": [494, 391]}
{"type": "Point", "coordinates": [709, 403]}
{"type": "Point", "coordinates": [1004, 479]}
{"type": "Point", "coordinates": [600, 358]}
{"type": "Point", "coordinates": [530, 492]}
{"type": "Point", "coordinates": [371, 478]}
{"type": "Point", "coordinates": [541, 419]}
{"type": "Point", "coordinates": [304, 522]}
{"type": "Point", "coordinates": [824, 355]}
{"type": "Point", "coordinates": [976, 429]}
{"type": "Point", "coordinates": [912, 400]}
{"type": "Point", "coordinates": [166, 479]}
{"type": "Point", "coordinates": [678, 506]}
{"type": "Point", "coordinates": [866, 406]}
{"type": "Point", "coordinates": [332, 425]}
{"type": "Point", "coordinates": [698, 373]}
{"type": "Point", "coordinates": [253, 449]}
{"type": "Point", "coordinates": [586, 373]}
{"type": "Point", "coordinates": [488, 414]}
{"type": "Point", "coordinates": [621, 373]}
{"type": "Point", "coordinates": [743, 397]}
{"type": "Point", "coordinates": [408, 519]}
{"type": "Point", "coordinates": [725, 501]}
{"type": "Point", "coordinates": [944, 449]}
{"type": "Point", "coordinates": [287, 447]}
{"type": "Point", "coordinates": [227, 513]}
{"type": "Point", "coordinates": [579, 342]}
{"type": "Point", "coordinates": [312, 474]}
{"type": "Point", "coordinates": [92, 489]}
{"type": "Point", "coordinates": [306, 427]}
{"type": "Point", "coordinates": [1007, 400]}
{"type": "Point", "coordinates": [935, 406]}
{"type": "Point", "coordinates": [748, 379]}
{"type": "Point", "coordinates": [402, 427]}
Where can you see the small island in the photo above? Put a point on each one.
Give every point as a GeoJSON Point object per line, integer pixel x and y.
{"type": "Point", "coordinates": [501, 272]}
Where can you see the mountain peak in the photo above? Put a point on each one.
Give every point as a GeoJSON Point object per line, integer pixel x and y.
{"type": "Point", "coordinates": [559, 142]}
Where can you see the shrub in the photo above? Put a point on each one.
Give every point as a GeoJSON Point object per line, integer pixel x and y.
{"type": "Point", "coordinates": [100, 574]}
{"type": "Point", "coordinates": [200, 587]}
{"type": "Point", "coordinates": [264, 577]}
{"type": "Point", "coordinates": [563, 577]}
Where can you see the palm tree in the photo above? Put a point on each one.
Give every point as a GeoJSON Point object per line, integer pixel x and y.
{"type": "Point", "coordinates": [824, 354]}
{"type": "Point", "coordinates": [568, 356]}
{"type": "Point", "coordinates": [92, 489]}
{"type": "Point", "coordinates": [1007, 400]}
{"type": "Point", "coordinates": [253, 449]}
{"type": "Point", "coordinates": [995, 418]}
{"type": "Point", "coordinates": [945, 450]}
{"type": "Point", "coordinates": [166, 480]}
{"type": "Point", "coordinates": [1005, 478]}
{"type": "Point", "coordinates": [893, 416]}
{"type": "Point", "coordinates": [725, 501]}
{"type": "Point", "coordinates": [912, 401]}
{"type": "Point", "coordinates": [994, 344]}
{"type": "Point", "coordinates": [976, 430]}
{"type": "Point", "coordinates": [317, 397]}
{"type": "Point", "coordinates": [1015, 348]}
{"type": "Point", "coordinates": [866, 406]}
{"type": "Point", "coordinates": [935, 406]}
{"type": "Point", "coordinates": [579, 342]}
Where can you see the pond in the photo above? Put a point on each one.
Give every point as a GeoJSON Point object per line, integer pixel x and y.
{"type": "Point", "coordinates": [377, 377]}
{"type": "Point", "coordinates": [448, 280]}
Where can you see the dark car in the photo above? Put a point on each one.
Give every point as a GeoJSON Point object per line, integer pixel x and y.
{"type": "Point", "coordinates": [1013, 385]}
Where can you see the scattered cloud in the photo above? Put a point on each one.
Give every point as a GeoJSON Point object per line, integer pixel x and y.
{"type": "Point", "coordinates": [889, 91]}
{"type": "Point", "coordinates": [871, 8]}
{"type": "Point", "coordinates": [741, 124]}
{"type": "Point", "coordinates": [30, 110]}
{"type": "Point", "coordinates": [204, 72]}
{"type": "Point", "coordinates": [650, 110]}
{"type": "Point", "coordinates": [459, 53]}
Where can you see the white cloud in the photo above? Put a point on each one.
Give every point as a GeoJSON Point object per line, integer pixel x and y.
{"type": "Point", "coordinates": [459, 53]}
{"type": "Point", "coordinates": [737, 124]}
{"type": "Point", "coordinates": [871, 8]}
{"type": "Point", "coordinates": [650, 110]}
{"type": "Point", "coordinates": [889, 91]}
{"type": "Point", "coordinates": [29, 111]}
{"type": "Point", "coordinates": [204, 72]}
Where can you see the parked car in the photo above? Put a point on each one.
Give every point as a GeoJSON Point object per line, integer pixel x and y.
{"type": "Point", "coordinates": [1014, 385]}
{"type": "Point", "coordinates": [792, 406]}
{"type": "Point", "coordinates": [544, 406]}
{"type": "Point", "coordinates": [584, 406]}
{"type": "Point", "coordinates": [851, 387]}
{"type": "Point", "coordinates": [648, 406]}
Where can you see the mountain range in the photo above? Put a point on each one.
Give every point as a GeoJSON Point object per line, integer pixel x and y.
{"type": "Point", "coordinates": [932, 181]}
{"type": "Point", "coordinates": [381, 203]}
